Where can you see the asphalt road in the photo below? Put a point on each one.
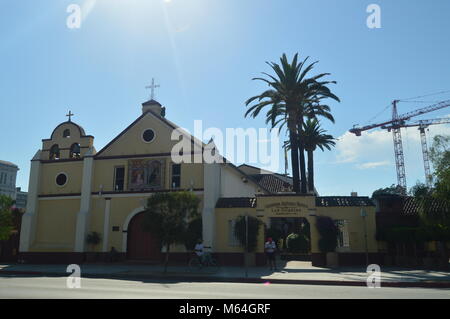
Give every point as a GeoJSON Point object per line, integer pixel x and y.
{"type": "Point", "coordinates": [55, 287]}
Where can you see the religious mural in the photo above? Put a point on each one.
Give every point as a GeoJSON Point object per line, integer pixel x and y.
{"type": "Point", "coordinates": [146, 174]}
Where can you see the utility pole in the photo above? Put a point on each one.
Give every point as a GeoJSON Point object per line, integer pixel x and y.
{"type": "Point", "coordinates": [246, 246]}
{"type": "Point", "coordinates": [363, 215]}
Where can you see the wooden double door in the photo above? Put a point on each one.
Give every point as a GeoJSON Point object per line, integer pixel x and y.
{"type": "Point", "coordinates": [142, 245]}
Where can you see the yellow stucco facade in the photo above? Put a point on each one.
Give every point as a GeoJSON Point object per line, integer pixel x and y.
{"type": "Point", "coordinates": [276, 206]}
{"type": "Point", "coordinates": [75, 190]}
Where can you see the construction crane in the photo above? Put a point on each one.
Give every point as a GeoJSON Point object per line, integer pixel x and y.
{"type": "Point", "coordinates": [394, 125]}
{"type": "Point", "coordinates": [422, 125]}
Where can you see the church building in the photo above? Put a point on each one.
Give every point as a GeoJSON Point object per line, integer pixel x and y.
{"type": "Point", "coordinates": [75, 190]}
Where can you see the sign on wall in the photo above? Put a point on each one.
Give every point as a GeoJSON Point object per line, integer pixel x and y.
{"type": "Point", "coordinates": [286, 208]}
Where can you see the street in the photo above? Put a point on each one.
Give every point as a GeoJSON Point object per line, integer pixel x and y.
{"type": "Point", "coordinates": [55, 287]}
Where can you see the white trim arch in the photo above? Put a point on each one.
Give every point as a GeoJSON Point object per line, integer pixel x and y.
{"type": "Point", "coordinates": [125, 226]}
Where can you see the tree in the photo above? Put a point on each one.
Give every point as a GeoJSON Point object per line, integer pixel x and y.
{"type": "Point", "coordinates": [241, 230]}
{"type": "Point", "coordinates": [440, 157]}
{"type": "Point", "coordinates": [193, 233]}
{"type": "Point", "coordinates": [391, 190]}
{"type": "Point", "coordinates": [314, 137]}
{"type": "Point", "coordinates": [440, 152]}
{"type": "Point", "coordinates": [290, 93]}
{"type": "Point", "coordinates": [434, 204]}
{"type": "Point", "coordinates": [167, 216]}
{"type": "Point", "coordinates": [6, 217]}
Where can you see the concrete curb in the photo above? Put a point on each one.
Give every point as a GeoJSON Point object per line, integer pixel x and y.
{"type": "Point", "coordinates": [211, 278]}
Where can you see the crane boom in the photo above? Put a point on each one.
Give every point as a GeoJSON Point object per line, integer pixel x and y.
{"type": "Point", "coordinates": [399, 121]}
{"type": "Point", "coordinates": [422, 125]}
{"type": "Point", "coordinates": [401, 118]}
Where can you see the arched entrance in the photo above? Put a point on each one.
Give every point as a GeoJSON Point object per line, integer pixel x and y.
{"type": "Point", "coordinates": [293, 237]}
{"type": "Point", "coordinates": [141, 245]}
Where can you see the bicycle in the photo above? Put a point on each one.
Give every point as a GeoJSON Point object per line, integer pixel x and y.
{"type": "Point", "coordinates": [204, 261]}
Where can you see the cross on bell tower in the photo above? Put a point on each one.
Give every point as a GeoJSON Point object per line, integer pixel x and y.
{"type": "Point", "coordinates": [69, 115]}
{"type": "Point", "coordinates": [153, 86]}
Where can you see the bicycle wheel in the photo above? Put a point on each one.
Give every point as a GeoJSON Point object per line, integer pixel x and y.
{"type": "Point", "coordinates": [213, 265]}
{"type": "Point", "coordinates": [194, 264]}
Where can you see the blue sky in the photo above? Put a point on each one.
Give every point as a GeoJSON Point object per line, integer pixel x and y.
{"type": "Point", "coordinates": [204, 54]}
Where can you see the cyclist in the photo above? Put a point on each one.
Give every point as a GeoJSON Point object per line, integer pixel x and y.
{"type": "Point", "coordinates": [199, 251]}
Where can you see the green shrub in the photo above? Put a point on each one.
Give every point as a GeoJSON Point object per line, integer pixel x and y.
{"type": "Point", "coordinates": [193, 233]}
{"type": "Point", "coordinates": [93, 238]}
{"type": "Point", "coordinates": [297, 243]}
{"type": "Point", "coordinates": [253, 228]}
{"type": "Point", "coordinates": [401, 234]}
{"type": "Point", "coordinates": [328, 233]}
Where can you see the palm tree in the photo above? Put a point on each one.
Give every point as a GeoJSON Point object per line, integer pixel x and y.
{"type": "Point", "coordinates": [292, 96]}
{"type": "Point", "coordinates": [313, 137]}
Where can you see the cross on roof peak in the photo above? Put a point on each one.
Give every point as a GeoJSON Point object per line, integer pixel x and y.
{"type": "Point", "coordinates": [69, 115]}
{"type": "Point", "coordinates": [153, 86]}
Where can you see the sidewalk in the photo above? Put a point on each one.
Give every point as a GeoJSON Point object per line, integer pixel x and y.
{"type": "Point", "coordinates": [292, 272]}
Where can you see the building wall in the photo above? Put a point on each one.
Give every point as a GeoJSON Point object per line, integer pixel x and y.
{"type": "Point", "coordinates": [21, 198]}
{"type": "Point", "coordinates": [56, 225]}
{"type": "Point", "coordinates": [131, 143]}
{"type": "Point", "coordinates": [355, 225]}
{"type": "Point", "coordinates": [64, 143]}
{"type": "Point", "coordinates": [49, 172]}
{"type": "Point", "coordinates": [58, 218]}
{"type": "Point", "coordinates": [299, 206]}
{"type": "Point", "coordinates": [233, 185]}
{"type": "Point", "coordinates": [8, 175]}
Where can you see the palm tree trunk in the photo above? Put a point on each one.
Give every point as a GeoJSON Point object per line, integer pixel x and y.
{"type": "Point", "coordinates": [301, 149]}
{"type": "Point", "coordinates": [294, 154]}
{"type": "Point", "coordinates": [311, 171]}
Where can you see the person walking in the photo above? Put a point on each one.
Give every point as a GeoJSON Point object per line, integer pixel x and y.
{"type": "Point", "coordinates": [270, 248]}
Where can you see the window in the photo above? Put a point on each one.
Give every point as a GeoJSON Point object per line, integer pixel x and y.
{"type": "Point", "coordinates": [119, 178]}
{"type": "Point", "coordinates": [343, 238]}
{"type": "Point", "coordinates": [61, 179]}
{"type": "Point", "coordinates": [232, 239]}
{"type": "Point", "coordinates": [75, 151]}
{"type": "Point", "coordinates": [54, 152]}
{"type": "Point", "coordinates": [176, 175]}
{"type": "Point", "coordinates": [66, 133]}
{"type": "Point", "coordinates": [148, 135]}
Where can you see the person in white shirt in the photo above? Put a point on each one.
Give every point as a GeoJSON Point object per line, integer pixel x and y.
{"type": "Point", "coordinates": [199, 250]}
{"type": "Point", "coordinates": [270, 248]}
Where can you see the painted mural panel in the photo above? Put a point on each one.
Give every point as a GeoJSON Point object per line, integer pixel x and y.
{"type": "Point", "coordinates": [146, 174]}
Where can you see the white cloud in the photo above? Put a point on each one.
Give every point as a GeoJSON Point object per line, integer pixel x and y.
{"type": "Point", "coordinates": [374, 150]}
{"type": "Point", "coordinates": [352, 148]}
{"type": "Point", "coordinates": [369, 165]}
